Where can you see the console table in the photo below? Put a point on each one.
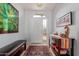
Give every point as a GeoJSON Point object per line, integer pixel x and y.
{"type": "Point", "coordinates": [57, 43]}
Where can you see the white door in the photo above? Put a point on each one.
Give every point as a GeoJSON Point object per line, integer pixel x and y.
{"type": "Point", "coordinates": [37, 30]}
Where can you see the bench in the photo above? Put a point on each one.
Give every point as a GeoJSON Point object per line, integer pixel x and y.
{"type": "Point", "coordinates": [13, 49]}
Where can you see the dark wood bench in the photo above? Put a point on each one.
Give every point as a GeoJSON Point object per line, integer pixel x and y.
{"type": "Point", "coordinates": [13, 49]}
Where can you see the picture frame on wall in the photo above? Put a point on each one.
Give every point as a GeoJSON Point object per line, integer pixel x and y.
{"type": "Point", "coordinates": [64, 20]}
{"type": "Point", "coordinates": [9, 18]}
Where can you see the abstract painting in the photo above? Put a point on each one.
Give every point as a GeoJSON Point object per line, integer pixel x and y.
{"type": "Point", "coordinates": [9, 17]}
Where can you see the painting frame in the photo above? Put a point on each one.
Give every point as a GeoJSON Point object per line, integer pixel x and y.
{"type": "Point", "coordinates": [13, 19]}
{"type": "Point", "coordinates": [64, 20]}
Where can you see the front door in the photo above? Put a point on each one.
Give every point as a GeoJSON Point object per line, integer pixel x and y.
{"type": "Point", "coordinates": [37, 30]}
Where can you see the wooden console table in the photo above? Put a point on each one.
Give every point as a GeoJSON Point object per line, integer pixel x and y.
{"type": "Point", "coordinates": [58, 50]}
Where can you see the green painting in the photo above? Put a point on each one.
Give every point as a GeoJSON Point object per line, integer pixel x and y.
{"type": "Point", "coordinates": [8, 18]}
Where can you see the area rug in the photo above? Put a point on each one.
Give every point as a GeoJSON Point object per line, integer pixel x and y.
{"type": "Point", "coordinates": [38, 51]}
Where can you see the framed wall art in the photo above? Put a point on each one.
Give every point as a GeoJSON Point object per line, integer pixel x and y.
{"type": "Point", "coordinates": [64, 20]}
{"type": "Point", "coordinates": [9, 18]}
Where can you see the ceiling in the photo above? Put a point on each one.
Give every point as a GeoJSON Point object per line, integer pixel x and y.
{"type": "Point", "coordinates": [38, 6]}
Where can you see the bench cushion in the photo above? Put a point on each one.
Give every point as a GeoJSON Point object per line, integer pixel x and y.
{"type": "Point", "coordinates": [11, 46]}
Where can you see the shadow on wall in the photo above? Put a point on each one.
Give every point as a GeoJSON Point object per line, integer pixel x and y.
{"type": "Point", "coordinates": [73, 17]}
{"type": "Point", "coordinates": [75, 48]}
{"type": "Point", "coordinates": [76, 41]}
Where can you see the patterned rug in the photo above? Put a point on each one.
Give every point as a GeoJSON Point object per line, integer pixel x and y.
{"type": "Point", "coordinates": [38, 51]}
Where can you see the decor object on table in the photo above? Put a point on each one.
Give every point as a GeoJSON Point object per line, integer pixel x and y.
{"type": "Point", "coordinates": [65, 20]}
{"type": "Point", "coordinates": [8, 18]}
{"type": "Point", "coordinates": [67, 31]}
